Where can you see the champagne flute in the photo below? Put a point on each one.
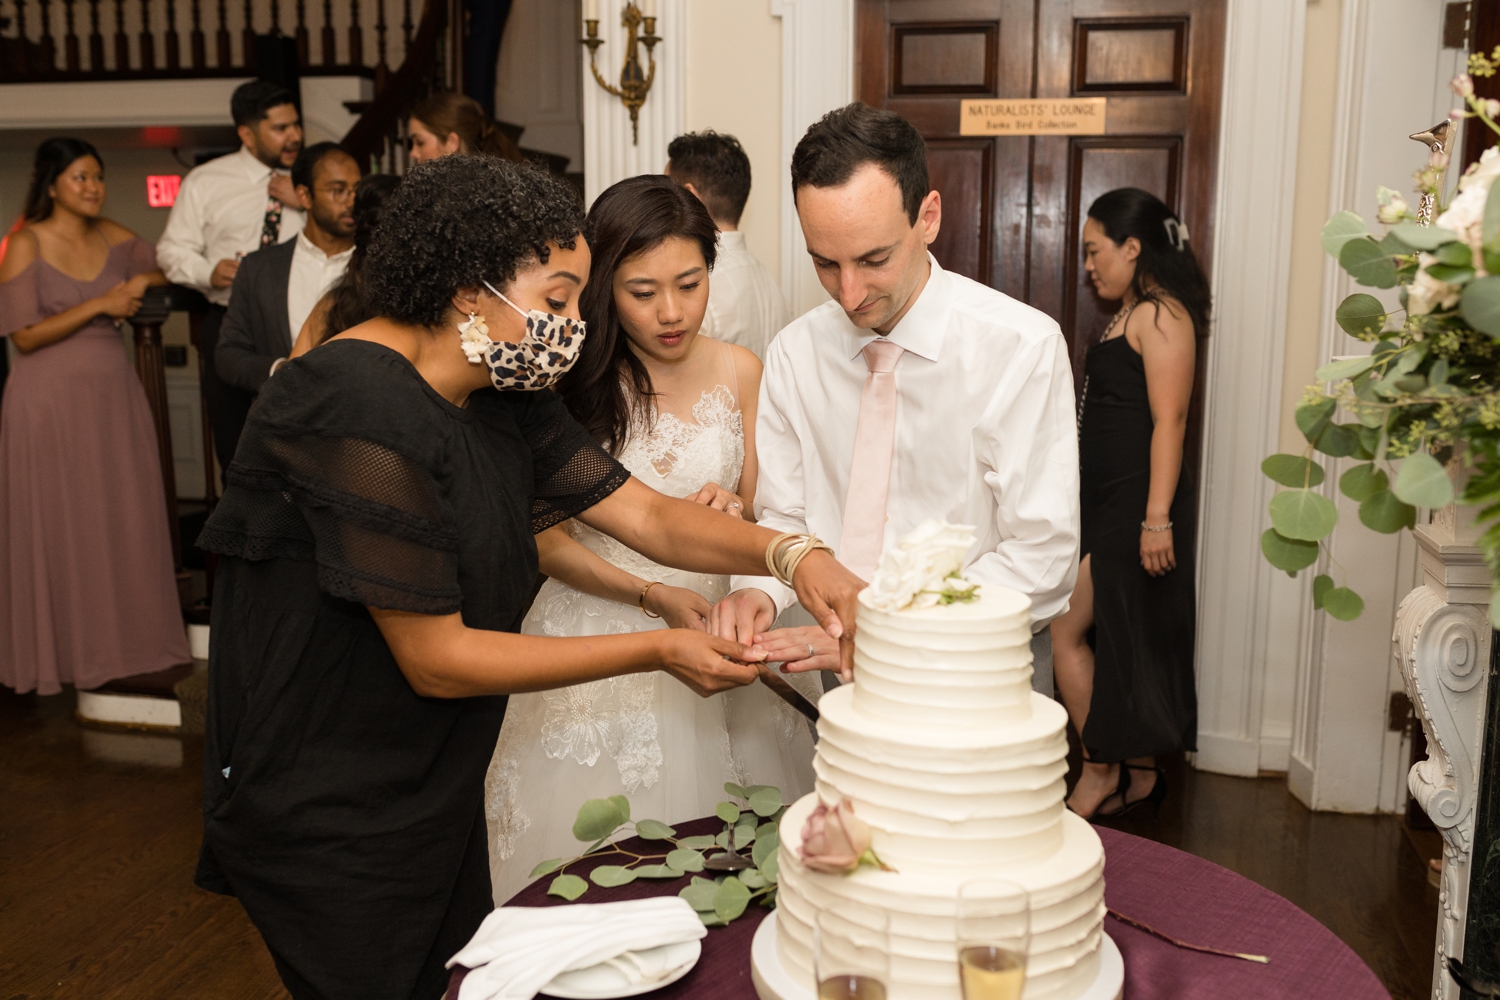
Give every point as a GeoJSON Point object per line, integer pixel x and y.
{"type": "Point", "coordinates": [851, 959]}
{"type": "Point", "coordinates": [993, 928]}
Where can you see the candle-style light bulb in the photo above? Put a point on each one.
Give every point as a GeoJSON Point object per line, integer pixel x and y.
{"type": "Point", "coordinates": [649, 8]}
{"type": "Point", "coordinates": [591, 10]}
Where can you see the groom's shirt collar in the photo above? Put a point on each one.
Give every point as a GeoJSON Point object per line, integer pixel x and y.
{"type": "Point", "coordinates": [921, 330]}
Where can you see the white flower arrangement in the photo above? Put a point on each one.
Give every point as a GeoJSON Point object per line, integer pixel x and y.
{"type": "Point", "coordinates": [924, 569]}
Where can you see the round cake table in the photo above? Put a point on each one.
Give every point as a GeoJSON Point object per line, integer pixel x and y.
{"type": "Point", "coordinates": [1176, 893]}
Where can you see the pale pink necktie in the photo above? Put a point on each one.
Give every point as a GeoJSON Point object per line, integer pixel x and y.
{"type": "Point", "coordinates": [870, 474]}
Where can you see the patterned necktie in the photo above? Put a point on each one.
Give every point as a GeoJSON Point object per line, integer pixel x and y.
{"type": "Point", "coordinates": [870, 473]}
{"type": "Point", "coordinates": [270, 228]}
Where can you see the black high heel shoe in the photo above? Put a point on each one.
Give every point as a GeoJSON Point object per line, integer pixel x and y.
{"type": "Point", "coordinates": [1154, 797]}
{"type": "Point", "coordinates": [1122, 786]}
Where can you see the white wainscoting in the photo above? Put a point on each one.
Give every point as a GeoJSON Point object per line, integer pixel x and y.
{"type": "Point", "coordinates": [184, 417]}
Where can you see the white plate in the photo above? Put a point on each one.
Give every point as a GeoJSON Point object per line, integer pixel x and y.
{"type": "Point", "coordinates": [604, 981]}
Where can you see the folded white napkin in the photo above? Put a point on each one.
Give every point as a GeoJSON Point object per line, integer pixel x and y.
{"type": "Point", "coordinates": [520, 949]}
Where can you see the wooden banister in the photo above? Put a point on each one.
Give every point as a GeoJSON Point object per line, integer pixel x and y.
{"type": "Point", "coordinates": [422, 67]}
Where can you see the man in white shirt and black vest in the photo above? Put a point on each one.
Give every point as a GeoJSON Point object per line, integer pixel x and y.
{"type": "Point", "coordinates": [916, 393]}
{"type": "Point", "coordinates": [227, 208]}
{"type": "Point", "coordinates": [277, 286]}
{"type": "Point", "coordinates": [745, 306]}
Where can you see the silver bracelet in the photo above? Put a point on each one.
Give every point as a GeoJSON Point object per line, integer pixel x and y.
{"type": "Point", "coordinates": [1156, 527]}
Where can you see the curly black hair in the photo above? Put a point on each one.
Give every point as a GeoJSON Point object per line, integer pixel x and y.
{"type": "Point", "coordinates": [458, 221]}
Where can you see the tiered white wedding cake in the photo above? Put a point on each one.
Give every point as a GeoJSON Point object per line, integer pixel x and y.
{"type": "Point", "coordinates": [957, 767]}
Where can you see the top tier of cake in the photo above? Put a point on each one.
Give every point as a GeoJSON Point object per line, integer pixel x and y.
{"type": "Point", "coordinates": [963, 664]}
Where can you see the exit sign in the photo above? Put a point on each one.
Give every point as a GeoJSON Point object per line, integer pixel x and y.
{"type": "Point", "coordinates": [161, 189]}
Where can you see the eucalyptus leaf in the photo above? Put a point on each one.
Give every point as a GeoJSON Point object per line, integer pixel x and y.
{"type": "Point", "coordinates": [711, 919]}
{"type": "Point", "coordinates": [765, 801]}
{"type": "Point", "coordinates": [1481, 304]}
{"type": "Point", "coordinates": [771, 867]}
{"type": "Point", "coordinates": [1338, 440]}
{"type": "Point", "coordinates": [1452, 275]}
{"type": "Point", "coordinates": [731, 899]}
{"type": "Point", "coordinates": [735, 790]}
{"type": "Point", "coordinates": [1455, 254]}
{"type": "Point", "coordinates": [610, 876]}
{"type": "Point", "coordinates": [622, 806]}
{"type": "Point", "coordinates": [724, 840]}
{"type": "Point", "coordinates": [1343, 604]}
{"type": "Point", "coordinates": [728, 812]}
{"type": "Point", "coordinates": [744, 836]}
{"type": "Point", "coordinates": [768, 829]}
{"type": "Point", "coordinates": [1438, 373]}
{"type": "Point", "coordinates": [700, 893]}
{"type": "Point", "coordinates": [1303, 515]}
{"type": "Point", "coordinates": [546, 868]}
{"type": "Point", "coordinates": [754, 879]}
{"type": "Point", "coordinates": [1287, 554]}
{"type": "Point", "coordinates": [651, 829]}
{"type": "Point", "coordinates": [1423, 482]}
{"type": "Point", "coordinates": [765, 847]}
{"type": "Point", "coordinates": [569, 887]}
{"type": "Point", "coordinates": [1361, 315]}
{"type": "Point", "coordinates": [1340, 229]}
{"type": "Point", "coordinates": [1292, 470]}
{"type": "Point", "coordinates": [658, 871]}
{"type": "Point", "coordinates": [686, 860]}
{"type": "Point", "coordinates": [1489, 229]}
{"type": "Point", "coordinates": [1313, 417]}
{"type": "Point", "coordinates": [1422, 237]}
{"type": "Point", "coordinates": [750, 790]}
{"type": "Point", "coordinates": [1362, 482]}
{"type": "Point", "coordinates": [1368, 264]}
{"type": "Point", "coordinates": [597, 819]}
{"type": "Point", "coordinates": [1346, 368]}
{"type": "Point", "coordinates": [1322, 584]}
{"type": "Point", "coordinates": [1384, 513]}
{"type": "Point", "coordinates": [697, 843]}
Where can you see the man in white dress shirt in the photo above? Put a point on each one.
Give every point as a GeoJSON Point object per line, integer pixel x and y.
{"type": "Point", "coordinates": [277, 286]}
{"type": "Point", "coordinates": [916, 393]}
{"type": "Point", "coordinates": [227, 208]}
{"type": "Point", "coordinates": [745, 306]}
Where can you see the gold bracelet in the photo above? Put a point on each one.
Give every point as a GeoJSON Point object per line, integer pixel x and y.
{"type": "Point", "coordinates": [786, 552]}
{"type": "Point", "coordinates": [642, 599]}
{"type": "Point", "coordinates": [1156, 527]}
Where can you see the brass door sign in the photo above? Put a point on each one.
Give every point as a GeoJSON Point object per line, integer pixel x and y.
{"type": "Point", "coordinates": [1032, 116]}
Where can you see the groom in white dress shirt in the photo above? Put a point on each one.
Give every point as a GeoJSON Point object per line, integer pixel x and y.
{"type": "Point", "coordinates": [915, 394]}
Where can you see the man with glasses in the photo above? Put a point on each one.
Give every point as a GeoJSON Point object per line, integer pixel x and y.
{"type": "Point", "coordinates": [277, 287]}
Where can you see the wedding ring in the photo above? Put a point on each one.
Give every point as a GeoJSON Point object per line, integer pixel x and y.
{"type": "Point", "coordinates": [809, 651]}
{"type": "Point", "coordinates": [733, 506]}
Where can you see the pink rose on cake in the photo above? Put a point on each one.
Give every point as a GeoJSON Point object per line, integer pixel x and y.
{"type": "Point", "coordinates": [836, 842]}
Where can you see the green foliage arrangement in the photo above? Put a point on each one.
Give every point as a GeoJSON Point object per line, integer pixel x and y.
{"type": "Point", "coordinates": [736, 878]}
{"type": "Point", "coordinates": [1427, 396]}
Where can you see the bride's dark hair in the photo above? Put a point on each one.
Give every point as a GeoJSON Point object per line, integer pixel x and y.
{"type": "Point", "coordinates": [1166, 259]}
{"type": "Point", "coordinates": [608, 386]}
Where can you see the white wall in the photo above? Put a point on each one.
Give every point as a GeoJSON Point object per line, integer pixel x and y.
{"type": "Point", "coordinates": [537, 82]}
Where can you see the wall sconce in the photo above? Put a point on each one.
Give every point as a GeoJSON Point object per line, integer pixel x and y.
{"type": "Point", "coordinates": [634, 85]}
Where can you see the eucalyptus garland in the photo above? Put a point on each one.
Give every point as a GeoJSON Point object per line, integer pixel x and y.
{"type": "Point", "coordinates": [740, 860]}
{"type": "Point", "coordinates": [1426, 399]}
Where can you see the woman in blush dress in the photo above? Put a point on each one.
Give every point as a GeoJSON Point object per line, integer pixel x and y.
{"type": "Point", "coordinates": [678, 410]}
{"type": "Point", "coordinates": [86, 587]}
{"type": "Point", "coordinates": [1132, 696]}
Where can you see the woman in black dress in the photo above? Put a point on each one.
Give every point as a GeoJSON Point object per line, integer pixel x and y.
{"type": "Point", "coordinates": [1132, 696]}
{"type": "Point", "coordinates": [377, 552]}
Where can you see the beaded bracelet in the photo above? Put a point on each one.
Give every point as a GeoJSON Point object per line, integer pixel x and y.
{"type": "Point", "coordinates": [786, 552]}
{"type": "Point", "coordinates": [1156, 527]}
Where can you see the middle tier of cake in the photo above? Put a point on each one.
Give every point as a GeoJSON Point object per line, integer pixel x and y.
{"type": "Point", "coordinates": [947, 800]}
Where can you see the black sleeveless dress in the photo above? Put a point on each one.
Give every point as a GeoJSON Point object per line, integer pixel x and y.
{"type": "Point", "coordinates": [1145, 700]}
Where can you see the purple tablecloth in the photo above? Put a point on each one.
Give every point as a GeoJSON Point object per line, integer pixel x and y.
{"type": "Point", "coordinates": [1176, 893]}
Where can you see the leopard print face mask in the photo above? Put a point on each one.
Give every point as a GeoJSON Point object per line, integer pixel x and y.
{"type": "Point", "coordinates": [539, 359]}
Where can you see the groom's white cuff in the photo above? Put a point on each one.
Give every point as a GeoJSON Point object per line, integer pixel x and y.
{"type": "Point", "coordinates": [782, 597]}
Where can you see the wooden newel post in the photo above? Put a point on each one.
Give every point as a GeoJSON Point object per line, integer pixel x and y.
{"type": "Point", "coordinates": [151, 368]}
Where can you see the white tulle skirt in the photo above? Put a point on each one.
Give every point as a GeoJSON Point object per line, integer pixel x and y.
{"type": "Point", "coordinates": [645, 736]}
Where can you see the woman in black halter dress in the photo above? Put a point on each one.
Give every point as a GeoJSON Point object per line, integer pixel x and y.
{"type": "Point", "coordinates": [1132, 695]}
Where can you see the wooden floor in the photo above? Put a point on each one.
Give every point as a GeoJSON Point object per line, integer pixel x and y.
{"type": "Point", "coordinates": [99, 833]}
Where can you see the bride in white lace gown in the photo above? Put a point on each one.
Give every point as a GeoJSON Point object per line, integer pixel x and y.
{"type": "Point", "coordinates": [643, 735]}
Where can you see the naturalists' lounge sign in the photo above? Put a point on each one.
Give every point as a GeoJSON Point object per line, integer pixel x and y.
{"type": "Point", "coordinates": [1044, 116]}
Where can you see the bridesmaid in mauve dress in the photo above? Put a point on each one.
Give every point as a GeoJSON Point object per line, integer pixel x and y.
{"type": "Point", "coordinates": [86, 586]}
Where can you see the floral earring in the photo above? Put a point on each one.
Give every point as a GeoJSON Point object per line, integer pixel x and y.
{"type": "Point", "coordinates": [474, 338]}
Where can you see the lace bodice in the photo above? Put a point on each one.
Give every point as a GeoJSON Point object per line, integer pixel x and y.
{"type": "Point", "coordinates": [678, 458]}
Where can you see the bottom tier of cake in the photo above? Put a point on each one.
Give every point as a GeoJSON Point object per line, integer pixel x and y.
{"type": "Point", "coordinates": [1067, 893]}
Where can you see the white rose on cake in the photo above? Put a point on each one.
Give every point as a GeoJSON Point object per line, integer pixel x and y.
{"type": "Point", "coordinates": [923, 569]}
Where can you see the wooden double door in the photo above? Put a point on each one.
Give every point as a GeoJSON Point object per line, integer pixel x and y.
{"type": "Point", "coordinates": [1014, 206]}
